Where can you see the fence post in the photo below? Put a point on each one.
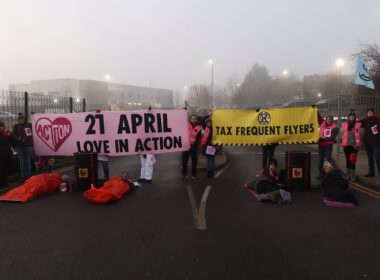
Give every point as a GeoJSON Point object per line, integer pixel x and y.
{"type": "Point", "coordinates": [339, 121]}
{"type": "Point", "coordinates": [71, 104]}
{"type": "Point", "coordinates": [26, 104]}
{"type": "Point", "coordinates": [84, 104]}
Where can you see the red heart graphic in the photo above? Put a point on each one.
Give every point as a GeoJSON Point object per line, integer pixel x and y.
{"type": "Point", "coordinates": [53, 133]}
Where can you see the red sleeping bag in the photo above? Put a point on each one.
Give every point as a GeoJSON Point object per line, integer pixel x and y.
{"type": "Point", "coordinates": [112, 190]}
{"type": "Point", "coordinates": [34, 187]}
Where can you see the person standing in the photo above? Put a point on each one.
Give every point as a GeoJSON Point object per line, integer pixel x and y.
{"type": "Point", "coordinates": [371, 126]}
{"type": "Point", "coordinates": [106, 169]}
{"type": "Point", "coordinates": [351, 142]}
{"type": "Point", "coordinates": [194, 137]}
{"type": "Point", "coordinates": [268, 154]}
{"type": "Point", "coordinates": [5, 153]}
{"type": "Point", "coordinates": [147, 162]}
{"type": "Point", "coordinates": [208, 149]}
{"type": "Point", "coordinates": [22, 133]}
{"type": "Point", "coordinates": [328, 132]}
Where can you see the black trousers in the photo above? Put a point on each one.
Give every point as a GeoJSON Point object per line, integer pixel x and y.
{"type": "Point", "coordinates": [268, 154]}
{"type": "Point", "coordinates": [347, 152]}
{"type": "Point", "coordinates": [193, 153]}
{"type": "Point", "coordinates": [4, 167]}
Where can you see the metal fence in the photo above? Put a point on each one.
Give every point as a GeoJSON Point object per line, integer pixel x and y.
{"type": "Point", "coordinates": [13, 103]}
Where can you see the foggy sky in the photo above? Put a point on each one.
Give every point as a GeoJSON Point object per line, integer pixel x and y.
{"type": "Point", "coordinates": [170, 42]}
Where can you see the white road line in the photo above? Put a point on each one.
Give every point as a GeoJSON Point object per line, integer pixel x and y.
{"type": "Point", "coordinates": [220, 172]}
{"type": "Point", "coordinates": [202, 225]}
{"type": "Point", "coordinates": [199, 215]}
{"type": "Point", "coordinates": [192, 203]}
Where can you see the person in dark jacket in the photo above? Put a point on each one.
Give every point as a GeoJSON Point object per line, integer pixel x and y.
{"type": "Point", "coordinates": [334, 186]}
{"type": "Point", "coordinates": [208, 149]}
{"type": "Point", "coordinates": [194, 136]}
{"type": "Point", "coordinates": [5, 153]}
{"type": "Point", "coordinates": [22, 134]}
{"type": "Point", "coordinates": [371, 126]}
{"type": "Point", "coordinates": [328, 133]}
{"type": "Point", "coordinates": [268, 154]}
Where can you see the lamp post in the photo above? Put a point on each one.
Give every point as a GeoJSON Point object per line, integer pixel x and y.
{"type": "Point", "coordinates": [210, 62]}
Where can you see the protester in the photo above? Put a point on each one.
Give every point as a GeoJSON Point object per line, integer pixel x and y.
{"type": "Point", "coordinates": [147, 163]}
{"type": "Point", "coordinates": [268, 154]}
{"type": "Point", "coordinates": [268, 182]}
{"type": "Point", "coordinates": [328, 132]}
{"type": "Point", "coordinates": [334, 186]}
{"type": "Point", "coordinates": [351, 142]}
{"type": "Point", "coordinates": [208, 149]}
{"type": "Point", "coordinates": [22, 133]}
{"type": "Point", "coordinates": [36, 186]}
{"type": "Point", "coordinates": [371, 126]}
{"type": "Point", "coordinates": [112, 190]}
{"type": "Point", "coordinates": [106, 170]}
{"type": "Point", "coordinates": [194, 136]}
{"type": "Point", "coordinates": [5, 153]}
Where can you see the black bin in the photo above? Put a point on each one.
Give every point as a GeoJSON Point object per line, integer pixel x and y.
{"type": "Point", "coordinates": [85, 170]}
{"type": "Point", "coordinates": [297, 165]}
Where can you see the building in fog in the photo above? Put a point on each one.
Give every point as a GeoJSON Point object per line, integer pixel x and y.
{"type": "Point", "coordinates": [100, 94]}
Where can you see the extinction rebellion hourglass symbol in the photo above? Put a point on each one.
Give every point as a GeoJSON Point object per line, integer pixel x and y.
{"type": "Point", "coordinates": [264, 118]}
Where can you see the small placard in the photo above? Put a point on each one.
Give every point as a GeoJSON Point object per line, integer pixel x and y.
{"type": "Point", "coordinates": [297, 172]}
{"type": "Point", "coordinates": [375, 129]}
{"type": "Point", "coordinates": [83, 173]}
{"type": "Point", "coordinates": [210, 150]}
{"type": "Point", "coordinates": [28, 131]}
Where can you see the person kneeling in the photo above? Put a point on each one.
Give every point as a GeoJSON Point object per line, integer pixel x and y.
{"type": "Point", "coordinates": [334, 186]}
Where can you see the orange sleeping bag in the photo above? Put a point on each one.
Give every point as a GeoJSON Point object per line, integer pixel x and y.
{"type": "Point", "coordinates": [34, 187]}
{"type": "Point", "coordinates": [112, 190]}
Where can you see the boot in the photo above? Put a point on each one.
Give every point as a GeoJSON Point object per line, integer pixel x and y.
{"type": "Point", "coordinates": [353, 176]}
{"type": "Point", "coordinates": [348, 174]}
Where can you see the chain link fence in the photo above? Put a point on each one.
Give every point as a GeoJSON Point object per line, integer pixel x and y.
{"type": "Point", "coordinates": [12, 103]}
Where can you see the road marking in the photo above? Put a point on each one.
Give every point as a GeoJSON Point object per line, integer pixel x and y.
{"type": "Point", "coordinates": [220, 172]}
{"type": "Point", "coordinates": [365, 190]}
{"type": "Point", "coordinates": [199, 214]}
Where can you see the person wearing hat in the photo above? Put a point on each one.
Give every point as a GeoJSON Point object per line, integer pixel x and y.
{"type": "Point", "coordinates": [351, 142]}
{"type": "Point", "coordinates": [5, 153]}
{"type": "Point", "coordinates": [334, 186]}
{"type": "Point", "coordinates": [371, 126]}
{"type": "Point", "coordinates": [22, 134]}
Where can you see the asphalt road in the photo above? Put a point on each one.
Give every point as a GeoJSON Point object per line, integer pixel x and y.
{"type": "Point", "coordinates": [152, 233]}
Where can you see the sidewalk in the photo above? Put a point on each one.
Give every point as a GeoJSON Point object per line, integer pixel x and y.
{"type": "Point", "coordinates": [361, 168]}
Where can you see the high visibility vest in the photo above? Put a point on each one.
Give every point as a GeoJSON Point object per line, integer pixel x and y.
{"type": "Point", "coordinates": [193, 132]}
{"type": "Point", "coordinates": [358, 142]}
{"type": "Point", "coordinates": [205, 135]}
{"type": "Point", "coordinates": [326, 132]}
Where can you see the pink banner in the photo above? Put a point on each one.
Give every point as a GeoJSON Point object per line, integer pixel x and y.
{"type": "Point", "coordinates": [111, 133]}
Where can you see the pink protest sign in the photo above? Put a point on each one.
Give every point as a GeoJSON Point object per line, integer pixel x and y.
{"type": "Point", "coordinates": [111, 133]}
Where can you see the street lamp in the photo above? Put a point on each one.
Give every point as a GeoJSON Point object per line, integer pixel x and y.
{"type": "Point", "coordinates": [285, 73]}
{"type": "Point", "coordinates": [210, 62]}
{"type": "Point", "coordinates": [339, 62]}
{"type": "Point", "coordinates": [319, 95]}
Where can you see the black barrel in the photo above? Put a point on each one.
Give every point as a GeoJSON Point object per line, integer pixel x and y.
{"type": "Point", "coordinates": [85, 170]}
{"type": "Point", "coordinates": [297, 166]}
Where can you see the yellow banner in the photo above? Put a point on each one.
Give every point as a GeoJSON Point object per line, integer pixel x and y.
{"type": "Point", "coordinates": [265, 126]}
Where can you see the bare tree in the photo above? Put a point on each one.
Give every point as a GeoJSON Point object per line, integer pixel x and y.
{"type": "Point", "coordinates": [200, 96]}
